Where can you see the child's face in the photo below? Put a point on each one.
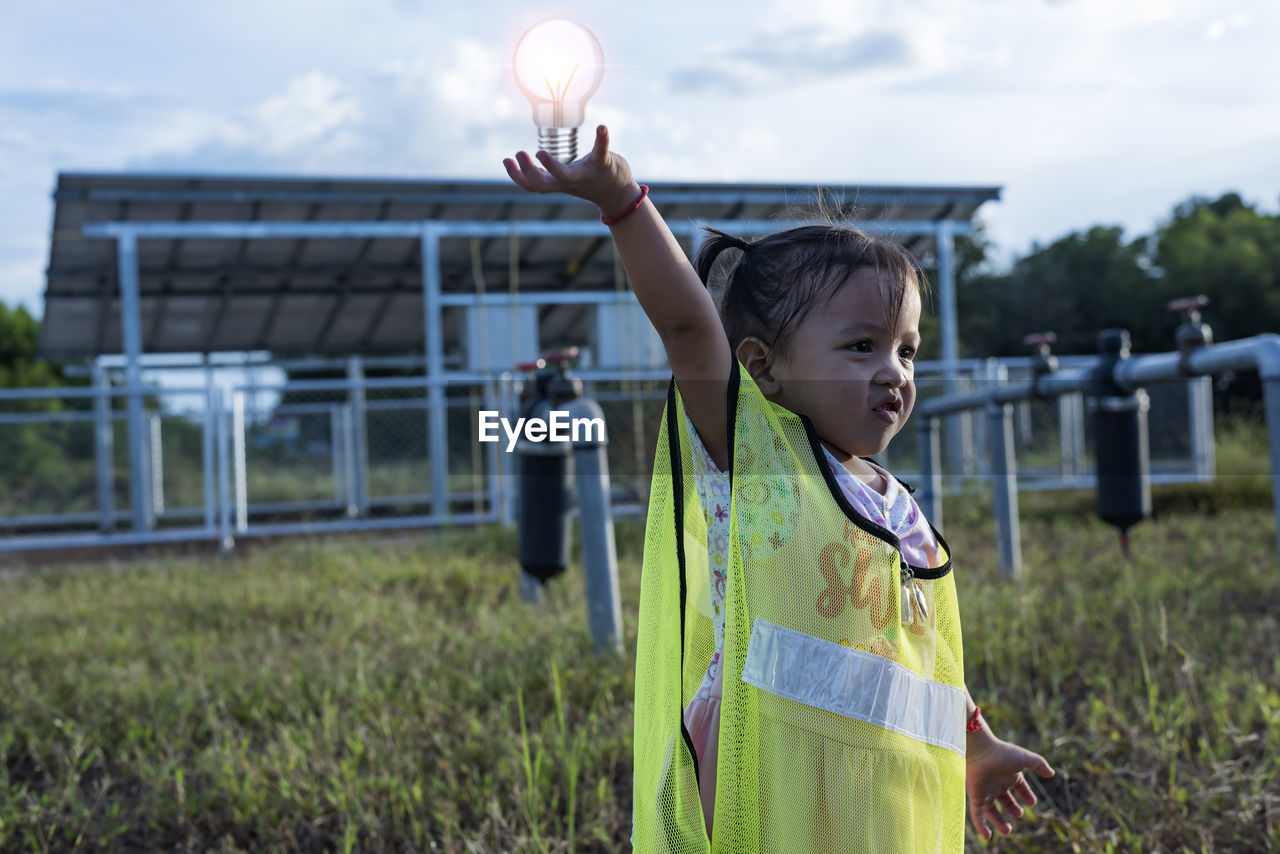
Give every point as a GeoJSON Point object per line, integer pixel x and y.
{"type": "Point", "coordinates": [847, 371]}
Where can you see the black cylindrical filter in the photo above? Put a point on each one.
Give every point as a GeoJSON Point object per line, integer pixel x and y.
{"type": "Point", "coordinates": [1121, 448]}
{"type": "Point", "coordinates": [544, 525]}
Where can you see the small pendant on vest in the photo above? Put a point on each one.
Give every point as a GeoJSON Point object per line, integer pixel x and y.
{"type": "Point", "coordinates": [924, 609]}
{"type": "Point", "coordinates": [908, 611]}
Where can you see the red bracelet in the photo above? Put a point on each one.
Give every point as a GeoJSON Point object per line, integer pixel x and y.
{"type": "Point", "coordinates": [610, 220]}
{"type": "Point", "coordinates": [974, 724]}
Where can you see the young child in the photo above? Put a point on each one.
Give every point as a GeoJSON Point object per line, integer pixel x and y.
{"type": "Point", "coordinates": [799, 675]}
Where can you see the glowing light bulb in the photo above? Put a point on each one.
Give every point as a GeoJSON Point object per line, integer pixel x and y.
{"type": "Point", "coordinates": [558, 66]}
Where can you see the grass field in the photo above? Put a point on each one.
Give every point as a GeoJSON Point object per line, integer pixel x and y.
{"type": "Point", "coordinates": [345, 695]}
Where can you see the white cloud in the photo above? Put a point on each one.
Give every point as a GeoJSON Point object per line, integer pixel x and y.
{"type": "Point", "coordinates": [1218, 28]}
{"type": "Point", "coordinates": [312, 107]}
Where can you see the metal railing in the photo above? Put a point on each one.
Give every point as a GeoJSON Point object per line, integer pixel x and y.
{"type": "Point", "coordinates": [1190, 368]}
{"type": "Point", "coordinates": [223, 461]}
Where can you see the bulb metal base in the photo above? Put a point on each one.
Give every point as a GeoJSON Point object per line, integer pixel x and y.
{"type": "Point", "coordinates": [560, 143]}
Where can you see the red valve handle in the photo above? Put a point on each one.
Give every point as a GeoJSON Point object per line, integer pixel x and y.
{"type": "Point", "coordinates": [1036, 339]}
{"type": "Point", "coordinates": [1188, 304]}
{"type": "Point", "coordinates": [568, 354]}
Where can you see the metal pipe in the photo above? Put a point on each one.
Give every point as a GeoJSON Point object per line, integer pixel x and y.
{"type": "Point", "coordinates": [359, 437]}
{"type": "Point", "coordinates": [155, 445]}
{"type": "Point", "coordinates": [669, 195]}
{"type": "Point", "coordinates": [239, 467]}
{"type": "Point", "coordinates": [337, 456]}
{"type": "Point", "coordinates": [1200, 420]}
{"type": "Point", "coordinates": [1261, 353]}
{"type": "Point", "coordinates": [208, 443]}
{"type": "Point", "coordinates": [930, 497]}
{"type": "Point", "coordinates": [226, 540]}
{"type": "Point", "coordinates": [433, 332]}
{"type": "Point", "coordinates": [495, 503]}
{"type": "Point", "coordinates": [599, 553]}
{"type": "Point", "coordinates": [131, 336]}
{"type": "Point", "coordinates": [104, 449]}
{"type": "Point", "coordinates": [1271, 402]}
{"type": "Point", "coordinates": [349, 460]}
{"type": "Point", "coordinates": [1004, 482]}
{"type": "Point", "coordinates": [565, 228]}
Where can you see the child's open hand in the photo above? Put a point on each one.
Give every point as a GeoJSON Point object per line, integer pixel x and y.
{"type": "Point", "coordinates": [602, 177]}
{"type": "Point", "coordinates": [993, 778]}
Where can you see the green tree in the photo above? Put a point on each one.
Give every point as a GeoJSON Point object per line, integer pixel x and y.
{"type": "Point", "coordinates": [1228, 251]}
{"type": "Point", "coordinates": [19, 367]}
{"type": "Point", "coordinates": [1075, 286]}
{"type": "Point", "coordinates": [36, 472]}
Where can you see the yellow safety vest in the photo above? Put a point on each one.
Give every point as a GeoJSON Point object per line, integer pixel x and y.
{"type": "Point", "coordinates": [842, 720]}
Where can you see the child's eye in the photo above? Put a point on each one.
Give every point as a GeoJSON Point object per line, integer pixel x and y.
{"type": "Point", "coordinates": [908, 352]}
{"type": "Point", "coordinates": [860, 346]}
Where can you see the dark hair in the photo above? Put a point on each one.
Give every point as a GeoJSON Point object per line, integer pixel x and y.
{"type": "Point", "coordinates": [781, 277]}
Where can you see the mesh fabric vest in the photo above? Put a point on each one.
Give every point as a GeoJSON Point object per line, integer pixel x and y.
{"type": "Point", "coordinates": [842, 719]}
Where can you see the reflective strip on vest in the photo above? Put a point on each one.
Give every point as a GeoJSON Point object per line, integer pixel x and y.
{"type": "Point", "coordinates": [855, 684]}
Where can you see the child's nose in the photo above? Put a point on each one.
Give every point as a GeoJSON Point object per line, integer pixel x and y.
{"type": "Point", "coordinates": [892, 373]}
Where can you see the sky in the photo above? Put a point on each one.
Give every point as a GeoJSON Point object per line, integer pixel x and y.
{"type": "Point", "coordinates": [1084, 111]}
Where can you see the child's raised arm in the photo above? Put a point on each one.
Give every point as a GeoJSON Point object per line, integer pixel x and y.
{"type": "Point", "coordinates": [665, 283]}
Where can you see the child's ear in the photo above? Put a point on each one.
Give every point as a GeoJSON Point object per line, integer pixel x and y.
{"type": "Point", "coordinates": [756, 357]}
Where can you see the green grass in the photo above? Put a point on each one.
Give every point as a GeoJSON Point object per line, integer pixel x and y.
{"type": "Point", "coordinates": [341, 695]}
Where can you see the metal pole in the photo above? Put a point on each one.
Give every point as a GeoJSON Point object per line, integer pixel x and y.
{"type": "Point", "coordinates": [1066, 440]}
{"type": "Point", "coordinates": [239, 468]}
{"type": "Point", "coordinates": [224, 470]}
{"type": "Point", "coordinates": [1078, 433]}
{"type": "Point", "coordinates": [156, 442]}
{"type": "Point", "coordinates": [1271, 400]}
{"type": "Point", "coordinates": [1200, 418]}
{"type": "Point", "coordinates": [104, 445]}
{"type": "Point", "coordinates": [595, 520]}
{"type": "Point", "coordinates": [1004, 482]}
{"type": "Point", "coordinates": [337, 454]}
{"type": "Point", "coordinates": [957, 451]}
{"type": "Point", "coordinates": [359, 438]}
{"type": "Point", "coordinates": [507, 407]}
{"type": "Point", "coordinates": [433, 330]}
{"type": "Point", "coordinates": [131, 330]}
{"type": "Point", "coordinates": [930, 497]}
{"type": "Point", "coordinates": [496, 506]}
{"type": "Point", "coordinates": [349, 458]}
{"type": "Point", "coordinates": [208, 454]}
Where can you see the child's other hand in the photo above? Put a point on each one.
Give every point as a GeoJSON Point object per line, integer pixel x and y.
{"type": "Point", "coordinates": [993, 778]}
{"type": "Point", "coordinates": [602, 177]}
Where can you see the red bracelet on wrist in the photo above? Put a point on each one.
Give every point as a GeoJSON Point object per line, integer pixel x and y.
{"type": "Point", "coordinates": [974, 724]}
{"type": "Point", "coordinates": [610, 220]}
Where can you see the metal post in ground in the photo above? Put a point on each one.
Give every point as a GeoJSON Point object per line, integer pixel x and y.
{"type": "Point", "coordinates": [208, 444]}
{"type": "Point", "coordinates": [595, 519]}
{"type": "Point", "coordinates": [929, 496]}
{"type": "Point", "coordinates": [104, 448]}
{"type": "Point", "coordinates": [1271, 401]}
{"type": "Point", "coordinates": [1200, 417]}
{"type": "Point", "coordinates": [239, 468]}
{"type": "Point", "coordinates": [222, 435]}
{"type": "Point", "coordinates": [359, 437]}
{"type": "Point", "coordinates": [131, 332]}
{"type": "Point", "coordinates": [433, 332]}
{"type": "Point", "coordinates": [1004, 481]}
{"type": "Point", "coordinates": [155, 443]}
